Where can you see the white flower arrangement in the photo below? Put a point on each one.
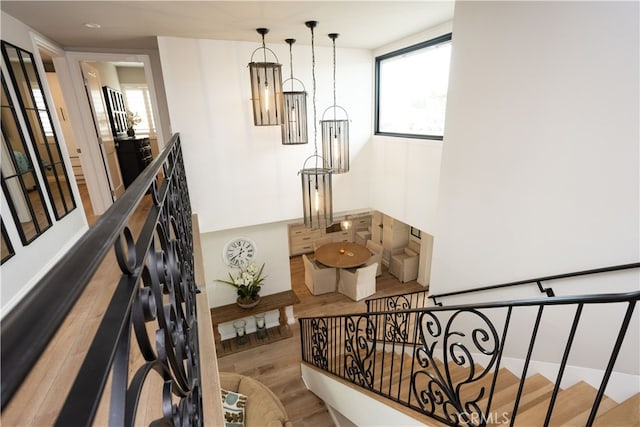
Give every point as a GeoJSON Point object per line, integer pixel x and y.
{"type": "Point", "coordinates": [133, 119]}
{"type": "Point", "coordinates": [247, 282]}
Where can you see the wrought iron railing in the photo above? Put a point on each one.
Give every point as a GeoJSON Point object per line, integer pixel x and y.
{"type": "Point", "coordinates": [419, 299]}
{"type": "Point", "coordinates": [443, 362]}
{"type": "Point", "coordinates": [537, 282]}
{"type": "Point", "coordinates": [152, 311]}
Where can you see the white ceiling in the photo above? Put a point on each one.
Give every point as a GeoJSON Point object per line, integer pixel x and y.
{"type": "Point", "coordinates": [134, 24]}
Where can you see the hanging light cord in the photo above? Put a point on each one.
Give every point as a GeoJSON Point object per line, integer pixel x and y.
{"type": "Point", "coordinates": [291, 63]}
{"type": "Point", "coordinates": [334, 76]}
{"type": "Point", "coordinates": [313, 77]}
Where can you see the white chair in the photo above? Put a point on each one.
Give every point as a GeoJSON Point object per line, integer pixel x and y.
{"type": "Point", "coordinates": [404, 262]}
{"type": "Point", "coordinates": [359, 283]}
{"type": "Point", "coordinates": [319, 279]}
{"type": "Point", "coordinates": [361, 237]}
{"type": "Point", "coordinates": [376, 249]}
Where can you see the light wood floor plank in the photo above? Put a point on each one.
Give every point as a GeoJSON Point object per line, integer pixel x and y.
{"type": "Point", "coordinates": [277, 365]}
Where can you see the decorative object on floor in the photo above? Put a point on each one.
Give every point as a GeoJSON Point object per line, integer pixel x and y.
{"type": "Point", "coordinates": [294, 127]}
{"type": "Point", "coordinates": [261, 326]}
{"type": "Point", "coordinates": [317, 198]}
{"type": "Point", "coordinates": [239, 251]}
{"type": "Point", "coordinates": [248, 283]}
{"type": "Point", "coordinates": [241, 331]}
{"type": "Point", "coordinates": [233, 404]}
{"type": "Point", "coordinates": [335, 132]}
{"type": "Point", "coordinates": [266, 87]}
{"type": "Point", "coordinates": [262, 407]}
{"type": "Point", "coordinates": [132, 120]}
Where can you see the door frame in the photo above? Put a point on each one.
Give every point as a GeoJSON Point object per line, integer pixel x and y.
{"type": "Point", "coordinates": [85, 130]}
{"type": "Point", "coordinates": [58, 56]}
{"type": "Point", "coordinates": [101, 119]}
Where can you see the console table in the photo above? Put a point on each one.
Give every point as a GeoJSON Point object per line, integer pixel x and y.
{"type": "Point", "coordinates": [231, 312]}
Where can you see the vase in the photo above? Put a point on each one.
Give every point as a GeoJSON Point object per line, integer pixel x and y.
{"type": "Point", "coordinates": [248, 303]}
{"type": "Point", "coordinates": [131, 132]}
{"type": "Point", "coordinates": [241, 331]}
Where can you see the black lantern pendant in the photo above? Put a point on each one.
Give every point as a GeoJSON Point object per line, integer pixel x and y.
{"type": "Point", "coordinates": [266, 87]}
{"type": "Point", "coordinates": [294, 128]}
{"type": "Point", "coordinates": [317, 192]}
{"type": "Point", "coordinates": [335, 132]}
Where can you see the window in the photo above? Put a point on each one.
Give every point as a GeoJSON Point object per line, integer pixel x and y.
{"type": "Point", "coordinates": [18, 176]}
{"type": "Point", "coordinates": [7, 247]}
{"type": "Point", "coordinates": [411, 90]}
{"type": "Point", "coordinates": [138, 101]}
{"type": "Point", "coordinates": [39, 134]}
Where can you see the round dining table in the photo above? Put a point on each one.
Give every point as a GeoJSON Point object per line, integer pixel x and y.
{"type": "Point", "coordinates": [342, 254]}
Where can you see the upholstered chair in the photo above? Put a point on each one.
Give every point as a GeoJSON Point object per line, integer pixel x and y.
{"type": "Point", "coordinates": [358, 283]}
{"type": "Point", "coordinates": [404, 262]}
{"type": "Point", "coordinates": [318, 278]}
{"type": "Point", "coordinates": [361, 237]}
{"type": "Point", "coordinates": [376, 250]}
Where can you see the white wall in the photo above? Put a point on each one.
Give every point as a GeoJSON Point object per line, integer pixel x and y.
{"type": "Point", "coordinates": [272, 249]}
{"type": "Point", "coordinates": [406, 171]}
{"type": "Point", "coordinates": [240, 174]}
{"type": "Point", "coordinates": [540, 161]}
{"type": "Point", "coordinates": [31, 262]}
{"type": "Point", "coordinates": [540, 170]}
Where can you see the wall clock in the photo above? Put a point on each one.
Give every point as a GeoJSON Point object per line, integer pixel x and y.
{"type": "Point", "coordinates": [239, 251]}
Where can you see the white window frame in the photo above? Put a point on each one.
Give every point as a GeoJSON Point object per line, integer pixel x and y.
{"type": "Point", "coordinates": [124, 87]}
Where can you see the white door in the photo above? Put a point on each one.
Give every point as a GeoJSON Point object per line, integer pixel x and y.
{"type": "Point", "coordinates": [103, 129]}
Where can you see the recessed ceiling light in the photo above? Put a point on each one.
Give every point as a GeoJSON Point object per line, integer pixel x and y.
{"type": "Point", "coordinates": [92, 25]}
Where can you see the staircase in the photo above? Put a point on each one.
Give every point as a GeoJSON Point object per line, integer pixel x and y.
{"type": "Point", "coordinates": [443, 365]}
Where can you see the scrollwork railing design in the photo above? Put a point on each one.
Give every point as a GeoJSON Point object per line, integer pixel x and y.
{"type": "Point", "coordinates": [437, 390]}
{"type": "Point", "coordinates": [147, 341]}
{"type": "Point", "coordinates": [359, 347]}
{"type": "Point", "coordinates": [158, 274]}
{"type": "Point", "coordinates": [320, 341]}
{"type": "Point", "coordinates": [406, 301]}
{"type": "Point", "coordinates": [444, 362]}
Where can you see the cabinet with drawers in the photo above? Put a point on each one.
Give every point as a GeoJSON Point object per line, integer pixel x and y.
{"type": "Point", "coordinates": [134, 154]}
{"type": "Point", "coordinates": [301, 238]}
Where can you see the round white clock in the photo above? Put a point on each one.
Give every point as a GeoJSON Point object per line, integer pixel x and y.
{"type": "Point", "coordinates": [239, 251]}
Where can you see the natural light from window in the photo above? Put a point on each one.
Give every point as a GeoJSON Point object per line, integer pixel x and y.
{"type": "Point", "coordinates": [412, 90]}
{"type": "Point", "coordinates": [138, 101]}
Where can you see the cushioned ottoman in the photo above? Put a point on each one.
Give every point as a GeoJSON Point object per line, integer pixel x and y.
{"type": "Point", "coordinates": [263, 408]}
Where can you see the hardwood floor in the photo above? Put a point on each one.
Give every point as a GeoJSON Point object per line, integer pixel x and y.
{"type": "Point", "coordinates": [86, 204]}
{"type": "Point", "coordinates": [277, 365]}
{"type": "Point", "coordinates": [41, 395]}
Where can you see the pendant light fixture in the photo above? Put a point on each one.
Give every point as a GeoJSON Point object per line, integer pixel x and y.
{"type": "Point", "coordinates": [266, 87]}
{"type": "Point", "coordinates": [335, 132]}
{"type": "Point", "coordinates": [294, 128]}
{"type": "Point", "coordinates": [317, 199]}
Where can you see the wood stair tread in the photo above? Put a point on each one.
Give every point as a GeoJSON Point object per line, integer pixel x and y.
{"type": "Point", "coordinates": [572, 406]}
{"type": "Point", "coordinates": [625, 414]}
{"type": "Point", "coordinates": [574, 400]}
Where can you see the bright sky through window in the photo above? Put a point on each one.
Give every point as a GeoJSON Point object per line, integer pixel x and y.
{"type": "Point", "coordinates": [412, 91]}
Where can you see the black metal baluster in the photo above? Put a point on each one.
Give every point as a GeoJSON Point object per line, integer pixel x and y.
{"type": "Point", "coordinates": [563, 364]}
{"type": "Point", "coordinates": [611, 363]}
{"type": "Point", "coordinates": [523, 376]}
